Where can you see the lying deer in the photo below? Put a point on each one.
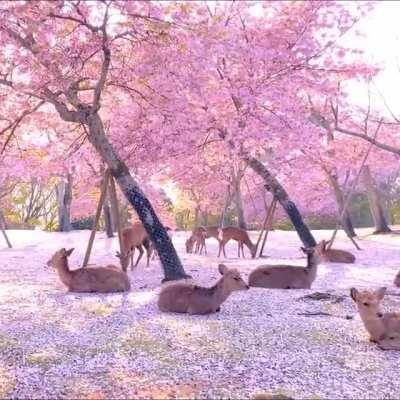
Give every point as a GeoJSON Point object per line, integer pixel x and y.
{"type": "Point", "coordinates": [183, 297]}
{"type": "Point", "coordinates": [383, 328]}
{"type": "Point", "coordinates": [335, 255]}
{"type": "Point", "coordinates": [196, 239]}
{"type": "Point", "coordinates": [288, 276]}
{"type": "Point", "coordinates": [132, 239]}
{"type": "Point", "coordinates": [238, 234]}
{"type": "Point", "coordinates": [108, 279]}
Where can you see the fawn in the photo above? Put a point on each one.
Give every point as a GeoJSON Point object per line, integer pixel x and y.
{"type": "Point", "coordinates": [238, 234]}
{"type": "Point", "coordinates": [197, 238]}
{"type": "Point", "coordinates": [97, 279]}
{"type": "Point", "coordinates": [383, 328]}
{"type": "Point", "coordinates": [288, 276]}
{"type": "Point", "coordinates": [192, 299]}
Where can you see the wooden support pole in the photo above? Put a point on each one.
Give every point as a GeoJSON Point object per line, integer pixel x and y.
{"type": "Point", "coordinates": [269, 224]}
{"type": "Point", "coordinates": [3, 229]}
{"type": "Point", "coordinates": [97, 217]}
{"type": "Point", "coordinates": [117, 219]}
{"type": "Point", "coordinates": [264, 225]}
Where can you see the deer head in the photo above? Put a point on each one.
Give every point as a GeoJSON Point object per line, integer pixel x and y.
{"type": "Point", "coordinates": [58, 256]}
{"type": "Point", "coordinates": [368, 303]}
{"type": "Point", "coordinates": [232, 278]}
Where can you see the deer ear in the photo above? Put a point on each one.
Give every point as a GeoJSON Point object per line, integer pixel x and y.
{"type": "Point", "coordinates": [381, 292]}
{"type": "Point", "coordinates": [222, 269]}
{"type": "Point", "coordinates": [353, 294]}
{"type": "Point", "coordinates": [69, 252]}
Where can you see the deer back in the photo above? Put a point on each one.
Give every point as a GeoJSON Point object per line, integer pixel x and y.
{"type": "Point", "coordinates": [339, 256]}
{"type": "Point", "coordinates": [133, 236]}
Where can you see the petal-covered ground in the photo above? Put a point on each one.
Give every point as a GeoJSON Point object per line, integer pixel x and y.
{"type": "Point", "coordinates": [65, 345]}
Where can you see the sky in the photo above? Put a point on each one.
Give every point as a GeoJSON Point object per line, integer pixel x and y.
{"type": "Point", "coordinates": [382, 45]}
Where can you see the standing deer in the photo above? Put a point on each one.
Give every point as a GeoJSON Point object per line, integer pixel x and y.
{"type": "Point", "coordinates": [196, 239]}
{"type": "Point", "coordinates": [383, 328]}
{"type": "Point", "coordinates": [132, 239]}
{"type": "Point", "coordinates": [192, 299]}
{"type": "Point", "coordinates": [238, 234]}
{"type": "Point", "coordinates": [335, 255]}
{"type": "Point", "coordinates": [108, 279]}
{"type": "Point", "coordinates": [288, 276]}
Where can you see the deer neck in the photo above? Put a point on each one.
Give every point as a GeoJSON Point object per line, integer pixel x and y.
{"type": "Point", "coordinates": [63, 272]}
{"type": "Point", "coordinates": [221, 292]}
{"type": "Point", "coordinates": [312, 267]}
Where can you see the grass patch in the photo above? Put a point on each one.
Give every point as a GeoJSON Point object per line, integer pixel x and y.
{"type": "Point", "coordinates": [44, 359]}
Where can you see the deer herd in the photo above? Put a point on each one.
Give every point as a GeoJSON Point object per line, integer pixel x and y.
{"type": "Point", "coordinates": [187, 297]}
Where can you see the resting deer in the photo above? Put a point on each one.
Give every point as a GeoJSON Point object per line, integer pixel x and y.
{"type": "Point", "coordinates": [238, 234]}
{"type": "Point", "coordinates": [132, 239]}
{"type": "Point", "coordinates": [108, 279]}
{"type": "Point", "coordinates": [192, 299]}
{"type": "Point", "coordinates": [383, 328]}
{"type": "Point", "coordinates": [334, 255]}
{"type": "Point", "coordinates": [287, 276]}
{"type": "Point", "coordinates": [197, 238]}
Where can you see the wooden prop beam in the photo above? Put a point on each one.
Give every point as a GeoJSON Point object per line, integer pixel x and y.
{"type": "Point", "coordinates": [3, 229]}
{"type": "Point", "coordinates": [268, 227]}
{"type": "Point", "coordinates": [97, 217]}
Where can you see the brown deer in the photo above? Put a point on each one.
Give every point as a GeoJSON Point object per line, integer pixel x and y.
{"type": "Point", "coordinates": [108, 279]}
{"type": "Point", "coordinates": [383, 328]}
{"type": "Point", "coordinates": [196, 239]}
{"type": "Point", "coordinates": [238, 234]}
{"type": "Point", "coordinates": [287, 276]}
{"type": "Point", "coordinates": [132, 239]}
{"type": "Point", "coordinates": [183, 297]}
{"type": "Point", "coordinates": [335, 255]}
{"type": "Point", "coordinates": [397, 280]}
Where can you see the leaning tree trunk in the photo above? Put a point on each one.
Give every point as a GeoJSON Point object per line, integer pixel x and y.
{"type": "Point", "coordinates": [64, 198]}
{"type": "Point", "coordinates": [108, 222]}
{"type": "Point", "coordinates": [375, 202]}
{"type": "Point", "coordinates": [239, 203]}
{"type": "Point", "coordinates": [346, 218]}
{"type": "Point", "coordinates": [273, 186]}
{"type": "Point", "coordinates": [170, 261]}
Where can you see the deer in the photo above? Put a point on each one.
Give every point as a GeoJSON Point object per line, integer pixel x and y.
{"type": "Point", "coordinates": [335, 255]}
{"type": "Point", "coordinates": [109, 279]}
{"type": "Point", "coordinates": [184, 297]}
{"type": "Point", "coordinates": [383, 328]}
{"type": "Point", "coordinates": [397, 280]}
{"type": "Point", "coordinates": [132, 239]}
{"type": "Point", "coordinates": [197, 238]}
{"type": "Point", "coordinates": [238, 234]}
{"type": "Point", "coordinates": [288, 276]}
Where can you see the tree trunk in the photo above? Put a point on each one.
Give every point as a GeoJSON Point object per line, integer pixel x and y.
{"type": "Point", "coordinates": [226, 206]}
{"type": "Point", "coordinates": [375, 202]}
{"type": "Point", "coordinates": [346, 220]}
{"type": "Point", "coordinates": [108, 222]}
{"type": "Point", "coordinates": [273, 186]}
{"type": "Point", "coordinates": [196, 216]}
{"type": "Point", "coordinates": [239, 202]}
{"type": "Point", "coordinates": [205, 218]}
{"type": "Point", "coordinates": [64, 198]}
{"type": "Point", "coordinates": [170, 261]}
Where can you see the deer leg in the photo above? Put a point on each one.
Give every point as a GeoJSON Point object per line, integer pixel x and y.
{"type": "Point", "coordinates": [223, 248]}
{"type": "Point", "coordinates": [131, 256]}
{"type": "Point", "coordinates": [219, 248]}
{"type": "Point", "coordinates": [243, 250]}
{"type": "Point", "coordinates": [140, 255]}
{"type": "Point", "coordinates": [238, 249]}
